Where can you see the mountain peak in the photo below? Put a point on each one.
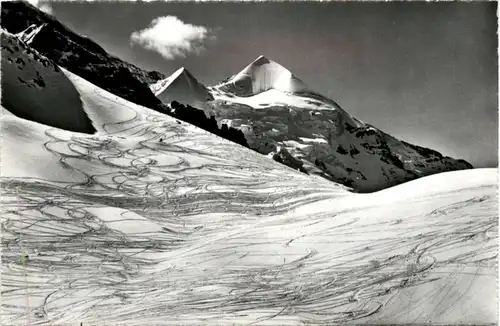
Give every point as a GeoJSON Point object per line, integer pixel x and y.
{"type": "Point", "coordinates": [261, 60]}
{"type": "Point", "coordinates": [178, 73]}
{"type": "Point", "coordinates": [181, 86]}
{"type": "Point", "coordinates": [262, 75]}
{"type": "Point", "coordinates": [182, 72]}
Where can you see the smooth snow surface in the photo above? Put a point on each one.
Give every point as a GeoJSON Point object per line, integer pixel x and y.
{"type": "Point", "coordinates": [154, 221]}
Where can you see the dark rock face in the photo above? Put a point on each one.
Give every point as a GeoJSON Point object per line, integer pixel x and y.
{"type": "Point", "coordinates": [341, 150]}
{"type": "Point", "coordinates": [332, 144]}
{"type": "Point", "coordinates": [81, 55]}
{"type": "Point", "coordinates": [284, 157]}
{"type": "Point", "coordinates": [198, 118]}
{"type": "Point", "coordinates": [32, 86]}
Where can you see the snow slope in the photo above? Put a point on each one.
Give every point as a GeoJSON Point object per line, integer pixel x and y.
{"type": "Point", "coordinates": [278, 113]}
{"type": "Point", "coordinates": [32, 86]}
{"type": "Point", "coordinates": [154, 221]}
{"type": "Point", "coordinates": [79, 54]}
{"type": "Point", "coordinates": [182, 87]}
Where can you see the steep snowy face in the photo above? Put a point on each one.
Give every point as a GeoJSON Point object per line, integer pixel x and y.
{"type": "Point", "coordinates": [35, 88]}
{"type": "Point", "coordinates": [79, 54]}
{"type": "Point", "coordinates": [278, 117]}
{"type": "Point", "coordinates": [262, 75]}
{"type": "Point", "coordinates": [182, 87]}
{"type": "Point", "coordinates": [329, 141]}
{"type": "Point", "coordinates": [149, 213]}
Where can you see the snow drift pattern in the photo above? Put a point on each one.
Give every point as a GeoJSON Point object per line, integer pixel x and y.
{"type": "Point", "coordinates": [122, 228]}
{"type": "Point", "coordinates": [265, 101]}
{"type": "Point", "coordinates": [155, 221]}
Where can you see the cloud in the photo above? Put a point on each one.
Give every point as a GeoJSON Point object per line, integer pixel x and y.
{"type": "Point", "coordinates": [45, 7]}
{"type": "Point", "coordinates": [171, 37]}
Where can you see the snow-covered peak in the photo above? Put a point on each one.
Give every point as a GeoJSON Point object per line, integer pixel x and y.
{"type": "Point", "coordinates": [162, 84]}
{"type": "Point", "coordinates": [182, 87]}
{"type": "Point", "coordinates": [261, 59]}
{"type": "Point", "coordinates": [262, 75]}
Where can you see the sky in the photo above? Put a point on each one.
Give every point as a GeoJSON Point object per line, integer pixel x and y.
{"type": "Point", "coordinates": [426, 73]}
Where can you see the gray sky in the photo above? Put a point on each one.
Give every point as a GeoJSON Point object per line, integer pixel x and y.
{"type": "Point", "coordinates": [424, 72]}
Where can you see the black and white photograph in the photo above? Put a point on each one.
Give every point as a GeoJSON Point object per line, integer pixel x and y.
{"type": "Point", "coordinates": [249, 163]}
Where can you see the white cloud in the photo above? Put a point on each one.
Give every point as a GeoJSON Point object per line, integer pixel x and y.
{"type": "Point", "coordinates": [171, 37]}
{"type": "Point", "coordinates": [45, 7]}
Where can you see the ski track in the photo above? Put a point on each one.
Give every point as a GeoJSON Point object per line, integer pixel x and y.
{"type": "Point", "coordinates": [185, 231]}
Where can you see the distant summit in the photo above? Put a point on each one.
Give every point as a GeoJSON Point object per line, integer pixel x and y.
{"type": "Point", "coordinates": [183, 87]}
{"type": "Point", "coordinates": [262, 75]}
